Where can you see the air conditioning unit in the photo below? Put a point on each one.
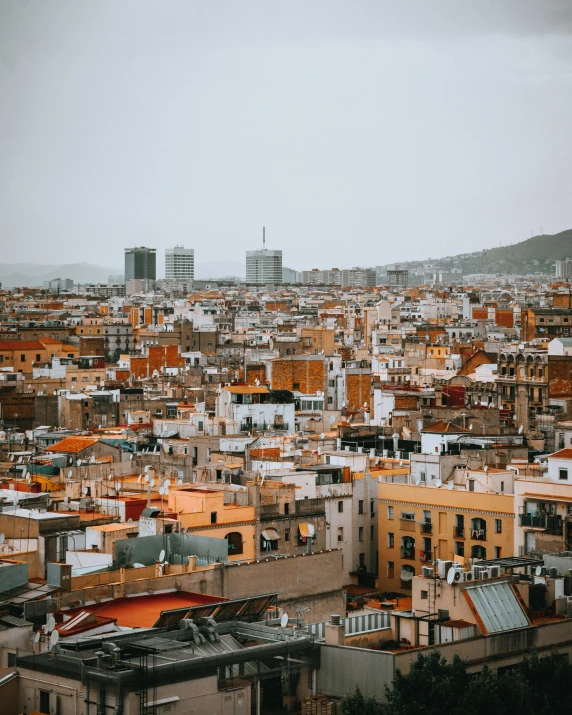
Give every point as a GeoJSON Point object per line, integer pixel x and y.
{"type": "Point", "coordinates": [427, 571]}
{"type": "Point", "coordinates": [443, 568]}
{"type": "Point", "coordinates": [485, 574]}
{"type": "Point", "coordinates": [495, 571]}
{"type": "Point", "coordinates": [469, 576]}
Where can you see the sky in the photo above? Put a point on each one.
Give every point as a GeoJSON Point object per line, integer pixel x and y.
{"type": "Point", "coordinates": [359, 132]}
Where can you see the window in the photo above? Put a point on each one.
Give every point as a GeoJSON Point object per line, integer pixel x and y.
{"type": "Point", "coordinates": [340, 507]}
{"type": "Point", "coordinates": [408, 515]}
{"type": "Point", "coordinates": [38, 357]}
{"type": "Point", "coordinates": [390, 569]}
{"type": "Point", "coordinates": [562, 474]}
{"type": "Point", "coordinates": [340, 533]}
{"type": "Point", "coordinates": [424, 595]}
{"type": "Point", "coordinates": [234, 541]}
{"type": "Point", "coordinates": [362, 561]}
{"type": "Point", "coordinates": [390, 539]}
{"type": "Point", "coordinates": [360, 533]}
{"type": "Point", "coordinates": [360, 506]}
{"type": "Point", "coordinates": [286, 534]}
{"type": "Point", "coordinates": [213, 517]}
{"type": "Point", "coordinates": [201, 426]}
{"type": "Point", "coordinates": [44, 701]}
{"type": "Point", "coordinates": [422, 477]}
{"type": "Point", "coordinates": [286, 508]}
{"type": "Point", "coordinates": [22, 358]}
{"type": "Point", "coordinates": [11, 659]}
{"type": "Point", "coordinates": [371, 532]}
{"type": "Point", "coordinates": [471, 485]}
{"type": "Point", "coordinates": [498, 526]}
{"type": "Point", "coordinates": [502, 486]}
{"type": "Point", "coordinates": [497, 552]}
{"type": "Point", "coordinates": [460, 548]}
{"type": "Point", "coordinates": [372, 507]}
{"type": "Point", "coordinates": [390, 512]}
{"type": "Point", "coordinates": [426, 516]}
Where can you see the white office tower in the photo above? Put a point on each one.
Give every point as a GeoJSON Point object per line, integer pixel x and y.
{"type": "Point", "coordinates": [180, 264]}
{"type": "Point", "coordinates": [264, 266]}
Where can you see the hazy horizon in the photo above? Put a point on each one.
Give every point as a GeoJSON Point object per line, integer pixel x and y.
{"type": "Point", "coordinates": [359, 133]}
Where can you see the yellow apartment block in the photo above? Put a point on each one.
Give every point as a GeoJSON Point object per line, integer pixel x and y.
{"type": "Point", "coordinates": [418, 524]}
{"type": "Point", "coordinates": [203, 512]}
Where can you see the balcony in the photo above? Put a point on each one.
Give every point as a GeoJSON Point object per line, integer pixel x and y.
{"type": "Point", "coordinates": [407, 553]}
{"type": "Point", "coordinates": [478, 535]}
{"type": "Point", "coordinates": [459, 532]}
{"type": "Point", "coordinates": [549, 524]}
{"type": "Point", "coordinates": [426, 527]}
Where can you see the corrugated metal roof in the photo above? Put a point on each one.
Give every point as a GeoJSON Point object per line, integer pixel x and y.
{"type": "Point", "coordinates": [497, 607]}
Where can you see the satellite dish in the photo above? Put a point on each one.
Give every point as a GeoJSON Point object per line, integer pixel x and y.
{"type": "Point", "coordinates": [70, 474]}
{"type": "Point", "coordinates": [322, 436]}
{"type": "Point", "coordinates": [538, 571]}
{"type": "Point", "coordinates": [37, 636]}
{"type": "Point", "coordinates": [451, 576]}
{"type": "Point", "coordinates": [162, 555]}
{"type": "Point", "coordinates": [51, 623]}
{"type": "Point", "coordinates": [19, 460]}
{"type": "Point", "coordinates": [486, 468]}
{"type": "Point", "coordinates": [54, 638]}
{"type": "Point", "coordinates": [79, 462]}
{"type": "Point", "coordinates": [450, 485]}
{"type": "Point", "coordinates": [438, 482]}
{"type": "Point", "coordinates": [138, 566]}
{"type": "Point", "coordinates": [152, 483]}
{"type": "Point", "coordinates": [179, 481]}
{"type": "Point", "coordinates": [117, 486]}
{"type": "Point", "coordinates": [284, 620]}
{"type": "Point", "coordinates": [147, 467]}
{"type": "Point", "coordinates": [85, 491]}
{"type": "Point", "coordinates": [130, 456]}
{"type": "Point", "coordinates": [520, 429]}
{"type": "Point", "coordinates": [471, 426]}
{"type": "Point", "coordinates": [161, 491]}
{"type": "Point", "coordinates": [146, 479]}
{"type": "Point", "coordinates": [167, 483]}
{"type": "Point", "coordinates": [11, 458]}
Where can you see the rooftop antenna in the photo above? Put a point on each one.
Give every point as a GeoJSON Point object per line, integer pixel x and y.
{"type": "Point", "coordinates": [263, 238]}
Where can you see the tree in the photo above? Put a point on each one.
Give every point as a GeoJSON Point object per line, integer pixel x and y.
{"type": "Point", "coordinates": [357, 704]}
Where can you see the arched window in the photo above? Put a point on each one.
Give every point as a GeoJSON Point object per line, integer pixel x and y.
{"type": "Point", "coordinates": [234, 541]}
{"type": "Point", "coordinates": [407, 574]}
{"type": "Point", "coordinates": [478, 552]}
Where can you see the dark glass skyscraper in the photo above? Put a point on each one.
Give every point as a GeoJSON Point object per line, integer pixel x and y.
{"type": "Point", "coordinates": [140, 263]}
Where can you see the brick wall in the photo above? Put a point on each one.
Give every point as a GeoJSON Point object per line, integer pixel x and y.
{"type": "Point", "coordinates": [305, 376]}
{"type": "Point", "coordinates": [559, 376]}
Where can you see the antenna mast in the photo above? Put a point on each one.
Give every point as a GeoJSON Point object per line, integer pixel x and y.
{"type": "Point", "coordinates": [263, 238]}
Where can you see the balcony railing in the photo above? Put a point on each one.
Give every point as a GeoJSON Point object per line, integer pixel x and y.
{"type": "Point", "coordinates": [550, 524]}
{"type": "Point", "coordinates": [459, 532]}
{"type": "Point", "coordinates": [407, 553]}
{"type": "Point", "coordinates": [478, 535]}
{"type": "Point", "coordinates": [426, 527]}
{"type": "Point", "coordinates": [263, 427]}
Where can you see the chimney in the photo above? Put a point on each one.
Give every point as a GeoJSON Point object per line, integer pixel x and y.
{"type": "Point", "coordinates": [334, 631]}
{"type": "Point", "coordinates": [192, 565]}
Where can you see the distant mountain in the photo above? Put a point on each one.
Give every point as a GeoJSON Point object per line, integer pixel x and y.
{"type": "Point", "coordinates": [34, 274]}
{"type": "Point", "coordinates": [219, 269]}
{"type": "Point", "coordinates": [535, 255]}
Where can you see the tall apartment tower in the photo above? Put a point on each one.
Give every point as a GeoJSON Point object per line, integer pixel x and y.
{"type": "Point", "coordinates": [140, 264]}
{"type": "Point", "coordinates": [180, 264]}
{"type": "Point", "coordinates": [264, 266]}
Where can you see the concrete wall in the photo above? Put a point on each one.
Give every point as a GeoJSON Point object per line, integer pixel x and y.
{"type": "Point", "coordinates": [311, 580]}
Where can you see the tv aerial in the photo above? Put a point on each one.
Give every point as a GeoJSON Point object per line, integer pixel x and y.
{"type": "Point", "coordinates": [284, 620]}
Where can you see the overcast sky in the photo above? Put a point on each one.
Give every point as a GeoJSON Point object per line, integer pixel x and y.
{"type": "Point", "coordinates": [360, 132]}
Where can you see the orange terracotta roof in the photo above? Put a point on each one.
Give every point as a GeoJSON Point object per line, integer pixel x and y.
{"type": "Point", "coordinates": [562, 454]}
{"type": "Point", "coordinates": [247, 390]}
{"type": "Point", "coordinates": [444, 427]}
{"type": "Point", "coordinates": [72, 444]}
{"type": "Point", "coordinates": [49, 341]}
{"type": "Point", "coordinates": [8, 345]}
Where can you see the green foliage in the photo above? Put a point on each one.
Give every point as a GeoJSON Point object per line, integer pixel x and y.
{"type": "Point", "coordinates": [357, 704]}
{"type": "Point", "coordinates": [536, 686]}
